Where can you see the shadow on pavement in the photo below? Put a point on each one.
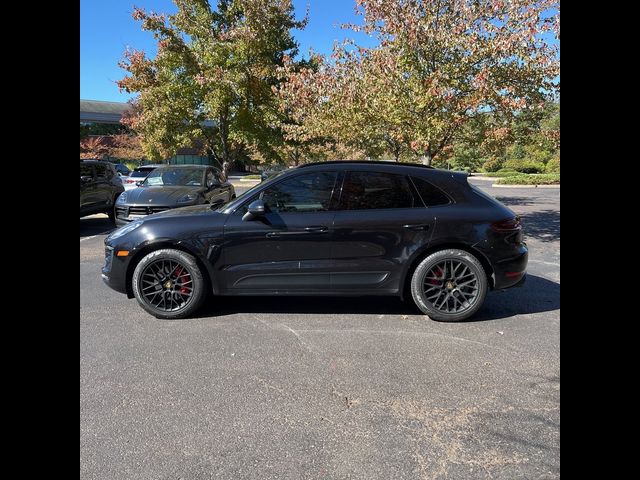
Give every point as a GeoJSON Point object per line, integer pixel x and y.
{"type": "Point", "coordinates": [543, 225]}
{"type": "Point", "coordinates": [95, 225]}
{"type": "Point", "coordinates": [537, 295]}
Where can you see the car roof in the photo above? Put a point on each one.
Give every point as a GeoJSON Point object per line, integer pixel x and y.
{"type": "Point", "coordinates": [202, 167]}
{"type": "Point", "coordinates": [149, 166]}
{"type": "Point", "coordinates": [375, 163]}
{"type": "Point", "coordinates": [95, 160]}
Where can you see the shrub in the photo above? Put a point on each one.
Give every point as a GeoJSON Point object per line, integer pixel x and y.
{"type": "Point", "coordinates": [492, 165]}
{"type": "Point", "coordinates": [544, 179]}
{"type": "Point", "coordinates": [132, 165]}
{"type": "Point", "coordinates": [500, 174]}
{"type": "Point", "coordinates": [553, 165]}
{"type": "Point", "coordinates": [525, 165]}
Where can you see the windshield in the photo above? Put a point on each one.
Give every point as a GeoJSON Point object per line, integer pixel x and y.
{"type": "Point", "coordinates": [192, 177]}
{"type": "Point", "coordinates": [141, 173]}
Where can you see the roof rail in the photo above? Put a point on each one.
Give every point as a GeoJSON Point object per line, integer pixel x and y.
{"type": "Point", "coordinates": [365, 162]}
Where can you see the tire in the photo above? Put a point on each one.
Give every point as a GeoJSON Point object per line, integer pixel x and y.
{"type": "Point", "coordinates": [454, 302]}
{"type": "Point", "coordinates": [169, 284]}
{"type": "Point", "coordinates": [112, 209]}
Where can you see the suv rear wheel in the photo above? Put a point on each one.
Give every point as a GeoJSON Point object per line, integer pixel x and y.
{"type": "Point", "coordinates": [449, 285]}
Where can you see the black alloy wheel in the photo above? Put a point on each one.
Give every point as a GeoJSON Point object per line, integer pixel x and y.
{"type": "Point", "coordinates": [449, 285]}
{"type": "Point", "coordinates": [169, 284]}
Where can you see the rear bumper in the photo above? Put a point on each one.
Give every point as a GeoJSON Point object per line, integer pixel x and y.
{"type": "Point", "coordinates": [511, 271]}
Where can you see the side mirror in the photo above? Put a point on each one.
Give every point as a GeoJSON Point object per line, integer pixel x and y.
{"type": "Point", "coordinates": [85, 178]}
{"type": "Point", "coordinates": [255, 210]}
{"type": "Point", "coordinates": [139, 183]}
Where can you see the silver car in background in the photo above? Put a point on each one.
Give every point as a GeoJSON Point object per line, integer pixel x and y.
{"type": "Point", "coordinates": [138, 175]}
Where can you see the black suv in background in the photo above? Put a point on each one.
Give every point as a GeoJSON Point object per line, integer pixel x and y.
{"type": "Point", "coordinates": [99, 188]}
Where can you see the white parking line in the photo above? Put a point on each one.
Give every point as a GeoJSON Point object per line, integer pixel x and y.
{"type": "Point", "coordinates": [88, 238]}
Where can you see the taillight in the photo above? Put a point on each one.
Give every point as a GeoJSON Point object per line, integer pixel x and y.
{"type": "Point", "coordinates": [129, 181]}
{"type": "Point", "coordinates": [507, 225]}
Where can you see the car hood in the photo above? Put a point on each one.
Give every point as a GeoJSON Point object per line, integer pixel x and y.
{"type": "Point", "coordinates": [159, 195]}
{"type": "Point", "coordinates": [192, 211]}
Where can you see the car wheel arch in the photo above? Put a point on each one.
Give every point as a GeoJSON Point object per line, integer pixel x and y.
{"type": "Point", "coordinates": [159, 245]}
{"type": "Point", "coordinates": [405, 290]}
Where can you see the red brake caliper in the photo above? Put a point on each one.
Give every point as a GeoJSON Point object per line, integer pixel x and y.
{"type": "Point", "coordinates": [439, 273]}
{"type": "Point", "coordinates": [182, 277]}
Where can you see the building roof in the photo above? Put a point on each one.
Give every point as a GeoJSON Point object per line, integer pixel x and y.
{"type": "Point", "coordinates": [97, 111]}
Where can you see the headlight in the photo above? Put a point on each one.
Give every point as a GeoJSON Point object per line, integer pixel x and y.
{"type": "Point", "coordinates": [124, 230]}
{"type": "Point", "coordinates": [190, 197]}
{"type": "Point", "coordinates": [122, 198]}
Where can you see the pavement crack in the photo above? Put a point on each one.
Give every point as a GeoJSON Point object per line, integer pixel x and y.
{"type": "Point", "coordinates": [302, 342]}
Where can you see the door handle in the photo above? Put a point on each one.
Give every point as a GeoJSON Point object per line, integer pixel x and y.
{"type": "Point", "coordinates": [316, 229]}
{"type": "Point", "coordinates": [307, 230]}
{"type": "Point", "coordinates": [418, 226]}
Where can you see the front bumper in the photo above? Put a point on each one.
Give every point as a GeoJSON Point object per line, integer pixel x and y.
{"type": "Point", "coordinates": [114, 270]}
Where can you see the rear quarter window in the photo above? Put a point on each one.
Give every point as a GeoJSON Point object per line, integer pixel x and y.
{"type": "Point", "coordinates": [431, 195]}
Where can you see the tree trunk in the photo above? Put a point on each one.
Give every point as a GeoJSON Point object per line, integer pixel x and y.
{"type": "Point", "coordinates": [427, 158]}
{"type": "Point", "coordinates": [226, 166]}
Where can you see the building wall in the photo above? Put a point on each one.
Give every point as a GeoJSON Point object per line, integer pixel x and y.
{"type": "Point", "coordinates": [189, 159]}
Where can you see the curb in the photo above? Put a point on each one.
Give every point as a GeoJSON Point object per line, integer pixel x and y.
{"type": "Point", "coordinates": [495, 185]}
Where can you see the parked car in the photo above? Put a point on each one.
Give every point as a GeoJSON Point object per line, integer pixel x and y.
{"type": "Point", "coordinates": [271, 171]}
{"type": "Point", "coordinates": [174, 186]}
{"type": "Point", "coordinates": [122, 169]}
{"type": "Point", "coordinates": [138, 175]}
{"type": "Point", "coordinates": [100, 186]}
{"type": "Point", "coordinates": [333, 228]}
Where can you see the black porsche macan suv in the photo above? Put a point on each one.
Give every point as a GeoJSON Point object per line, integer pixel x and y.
{"type": "Point", "coordinates": [332, 228]}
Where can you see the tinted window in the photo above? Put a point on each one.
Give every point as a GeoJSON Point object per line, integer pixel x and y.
{"type": "Point", "coordinates": [86, 170]}
{"type": "Point", "coordinates": [110, 170]}
{"type": "Point", "coordinates": [101, 170]}
{"type": "Point", "coordinates": [431, 195]}
{"type": "Point", "coordinates": [210, 177]}
{"type": "Point", "coordinates": [368, 190]}
{"type": "Point", "coordinates": [304, 193]}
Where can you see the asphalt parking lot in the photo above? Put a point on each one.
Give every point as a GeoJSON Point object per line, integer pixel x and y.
{"type": "Point", "coordinates": [325, 388]}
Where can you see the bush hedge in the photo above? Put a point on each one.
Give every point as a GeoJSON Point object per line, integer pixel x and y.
{"type": "Point", "coordinates": [500, 174]}
{"type": "Point", "coordinates": [525, 165]}
{"type": "Point", "coordinates": [544, 179]}
{"type": "Point", "coordinates": [553, 165]}
{"type": "Point", "coordinates": [492, 165]}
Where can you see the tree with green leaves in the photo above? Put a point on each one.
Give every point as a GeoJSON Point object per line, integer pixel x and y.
{"type": "Point", "coordinates": [439, 64]}
{"type": "Point", "coordinates": [211, 79]}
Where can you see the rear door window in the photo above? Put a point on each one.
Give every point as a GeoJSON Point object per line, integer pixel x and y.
{"type": "Point", "coordinates": [101, 171]}
{"type": "Point", "coordinates": [376, 190]}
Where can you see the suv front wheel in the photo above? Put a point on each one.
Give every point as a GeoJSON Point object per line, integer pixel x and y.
{"type": "Point", "coordinates": [169, 284]}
